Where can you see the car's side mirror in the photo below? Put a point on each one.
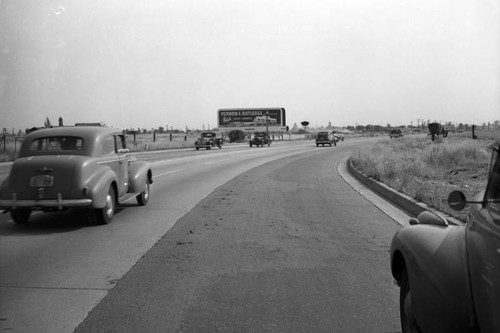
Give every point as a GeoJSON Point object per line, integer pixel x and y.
{"type": "Point", "coordinates": [457, 200]}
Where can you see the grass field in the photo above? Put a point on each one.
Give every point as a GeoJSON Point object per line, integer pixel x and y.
{"type": "Point", "coordinates": [428, 171]}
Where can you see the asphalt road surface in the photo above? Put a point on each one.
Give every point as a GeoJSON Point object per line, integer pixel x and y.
{"type": "Point", "coordinates": [238, 240]}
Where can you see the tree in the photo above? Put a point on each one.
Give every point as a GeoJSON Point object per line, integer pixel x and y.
{"type": "Point", "coordinates": [236, 136]}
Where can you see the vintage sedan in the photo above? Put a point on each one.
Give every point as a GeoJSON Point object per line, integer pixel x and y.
{"type": "Point", "coordinates": [325, 138]}
{"type": "Point", "coordinates": [74, 167]}
{"type": "Point", "coordinates": [260, 139]}
{"type": "Point", "coordinates": [449, 275]}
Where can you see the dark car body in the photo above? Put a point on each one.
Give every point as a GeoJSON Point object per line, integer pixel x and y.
{"type": "Point", "coordinates": [395, 133]}
{"type": "Point", "coordinates": [208, 140]}
{"type": "Point", "coordinates": [74, 167]}
{"type": "Point", "coordinates": [260, 139]}
{"type": "Point", "coordinates": [450, 274]}
{"type": "Point", "coordinates": [325, 138]}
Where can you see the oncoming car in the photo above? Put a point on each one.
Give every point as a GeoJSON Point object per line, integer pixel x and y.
{"type": "Point", "coordinates": [208, 140]}
{"type": "Point", "coordinates": [325, 138]}
{"type": "Point", "coordinates": [449, 275]}
{"type": "Point", "coordinates": [74, 167]}
{"type": "Point", "coordinates": [260, 139]}
{"type": "Point", "coordinates": [338, 135]}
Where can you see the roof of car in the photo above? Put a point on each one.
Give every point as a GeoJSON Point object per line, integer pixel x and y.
{"type": "Point", "coordinates": [81, 131]}
{"type": "Point", "coordinates": [91, 135]}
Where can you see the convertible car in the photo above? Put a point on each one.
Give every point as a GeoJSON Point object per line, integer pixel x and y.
{"type": "Point", "coordinates": [449, 275]}
{"type": "Point", "coordinates": [74, 167]}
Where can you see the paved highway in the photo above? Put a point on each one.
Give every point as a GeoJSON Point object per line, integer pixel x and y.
{"type": "Point", "coordinates": [238, 239]}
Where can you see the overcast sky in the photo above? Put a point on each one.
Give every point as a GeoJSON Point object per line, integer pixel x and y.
{"type": "Point", "coordinates": [153, 63]}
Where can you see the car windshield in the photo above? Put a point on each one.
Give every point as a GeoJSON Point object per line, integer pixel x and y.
{"type": "Point", "coordinates": [206, 135]}
{"type": "Point", "coordinates": [56, 143]}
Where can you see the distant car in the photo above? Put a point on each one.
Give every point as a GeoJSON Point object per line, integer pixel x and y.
{"type": "Point", "coordinates": [395, 133]}
{"type": "Point", "coordinates": [208, 140]}
{"type": "Point", "coordinates": [339, 135]}
{"type": "Point", "coordinates": [260, 139]}
{"type": "Point", "coordinates": [74, 167]}
{"type": "Point", "coordinates": [325, 138]}
{"type": "Point", "coordinates": [449, 276]}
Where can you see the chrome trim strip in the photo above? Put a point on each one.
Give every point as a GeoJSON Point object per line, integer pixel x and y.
{"type": "Point", "coordinates": [59, 203]}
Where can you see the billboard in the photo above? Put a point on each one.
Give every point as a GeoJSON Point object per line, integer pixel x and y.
{"type": "Point", "coordinates": [252, 119]}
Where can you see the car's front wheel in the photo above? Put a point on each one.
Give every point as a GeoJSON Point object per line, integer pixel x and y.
{"type": "Point", "coordinates": [20, 216]}
{"type": "Point", "coordinates": [143, 197]}
{"type": "Point", "coordinates": [408, 320]}
{"type": "Point", "coordinates": [105, 215]}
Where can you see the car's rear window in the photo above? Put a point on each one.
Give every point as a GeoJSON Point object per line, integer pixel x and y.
{"type": "Point", "coordinates": [56, 143]}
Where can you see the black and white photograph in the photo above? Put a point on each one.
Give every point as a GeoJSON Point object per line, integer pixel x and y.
{"type": "Point", "coordinates": [249, 166]}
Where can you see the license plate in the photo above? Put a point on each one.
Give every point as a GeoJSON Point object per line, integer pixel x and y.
{"type": "Point", "coordinates": [42, 181]}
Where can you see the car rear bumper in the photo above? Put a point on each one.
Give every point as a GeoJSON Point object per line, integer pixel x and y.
{"type": "Point", "coordinates": [36, 204]}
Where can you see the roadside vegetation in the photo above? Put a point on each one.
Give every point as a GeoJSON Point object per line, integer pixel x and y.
{"type": "Point", "coordinates": [428, 171]}
{"type": "Point", "coordinates": [143, 142]}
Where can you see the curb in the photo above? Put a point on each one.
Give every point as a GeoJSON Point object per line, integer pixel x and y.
{"type": "Point", "coordinates": [400, 199]}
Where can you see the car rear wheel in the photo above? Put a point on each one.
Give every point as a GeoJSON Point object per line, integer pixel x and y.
{"type": "Point", "coordinates": [408, 320]}
{"type": "Point", "coordinates": [143, 197]}
{"type": "Point", "coordinates": [105, 215]}
{"type": "Point", "coordinates": [20, 216]}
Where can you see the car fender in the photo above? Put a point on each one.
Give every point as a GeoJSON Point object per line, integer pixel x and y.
{"type": "Point", "coordinates": [139, 174]}
{"type": "Point", "coordinates": [98, 186]}
{"type": "Point", "coordinates": [436, 262]}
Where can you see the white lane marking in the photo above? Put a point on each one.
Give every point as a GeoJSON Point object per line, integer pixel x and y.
{"type": "Point", "coordinates": [166, 173]}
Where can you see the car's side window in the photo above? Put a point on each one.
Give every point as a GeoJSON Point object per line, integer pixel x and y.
{"type": "Point", "coordinates": [108, 146]}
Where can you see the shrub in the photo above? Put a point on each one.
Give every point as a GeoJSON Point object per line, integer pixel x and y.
{"type": "Point", "coordinates": [236, 136]}
{"type": "Point", "coordinates": [427, 171]}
